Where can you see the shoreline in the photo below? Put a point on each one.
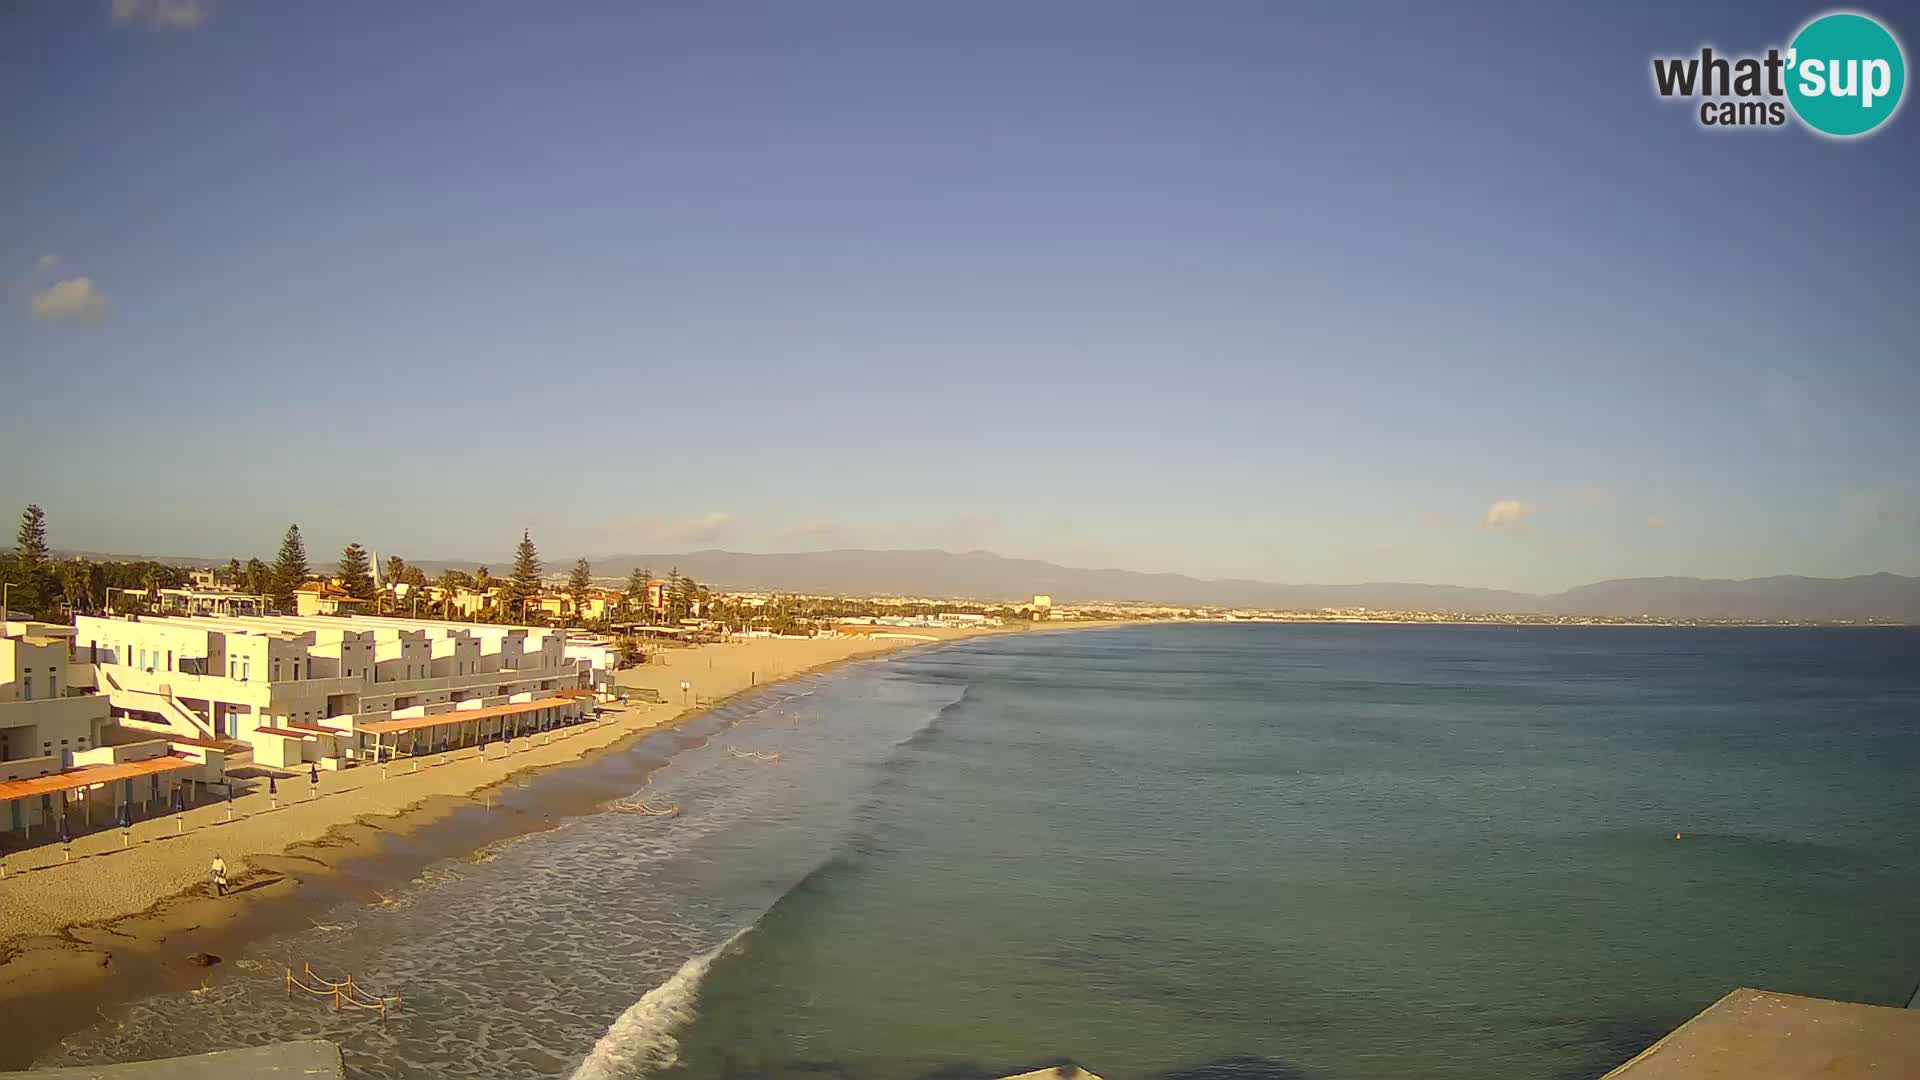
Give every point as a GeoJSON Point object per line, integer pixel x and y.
{"type": "Point", "coordinates": [60, 976]}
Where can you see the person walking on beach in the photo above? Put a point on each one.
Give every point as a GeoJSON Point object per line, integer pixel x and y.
{"type": "Point", "coordinates": [219, 875]}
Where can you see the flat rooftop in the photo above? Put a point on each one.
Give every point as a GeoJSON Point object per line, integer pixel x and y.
{"type": "Point", "coordinates": [1757, 1035]}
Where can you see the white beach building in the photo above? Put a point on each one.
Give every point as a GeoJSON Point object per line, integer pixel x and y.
{"type": "Point", "coordinates": [329, 690]}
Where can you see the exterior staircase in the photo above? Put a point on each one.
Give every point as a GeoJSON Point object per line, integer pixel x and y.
{"type": "Point", "coordinates": [159, 711]}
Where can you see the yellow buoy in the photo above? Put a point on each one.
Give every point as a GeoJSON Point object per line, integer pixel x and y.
{"type": "Point", "coordinates": [1676, 836]}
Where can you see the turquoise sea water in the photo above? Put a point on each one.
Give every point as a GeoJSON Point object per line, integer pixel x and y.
{"type": "Point", "coordinates": [1332, 852]}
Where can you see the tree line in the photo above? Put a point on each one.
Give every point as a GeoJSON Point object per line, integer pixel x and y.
{"type": "Point", "coordinates": [41, 587]}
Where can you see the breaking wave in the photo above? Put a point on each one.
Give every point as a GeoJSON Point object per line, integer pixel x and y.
{"type": "Point", "coordinates": [641, 1038]}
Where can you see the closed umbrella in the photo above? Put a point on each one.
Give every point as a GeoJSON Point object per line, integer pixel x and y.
{"type": "Point", "coordinates": [313, 781]}
{"type": "Point", "coordinates": [179, 810]}
{"type": "Point", "coordinates": [273, 793]}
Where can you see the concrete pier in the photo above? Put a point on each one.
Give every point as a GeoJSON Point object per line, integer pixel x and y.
{"type": "Point", "coordinates": [313, 1059]}
{"type": "Point", "coordinates": [1757, 1035]}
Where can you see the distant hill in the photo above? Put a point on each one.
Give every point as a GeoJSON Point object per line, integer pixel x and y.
{"type": "Point", "coordinates": [986, 576]}
{"type": "Point", "coordinates": [982, 575]}
{"type": "Point", "coordinates": [1869, 596]}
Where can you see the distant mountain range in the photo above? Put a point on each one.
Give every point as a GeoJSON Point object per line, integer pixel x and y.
{"type": "Point", "coordinates": [982, 575]}
{"type": "Point", "coordinates": [985, 576]}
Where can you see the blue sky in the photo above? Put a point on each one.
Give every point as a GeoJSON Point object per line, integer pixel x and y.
{"type": "Point", "coordinates": [1234, 289]}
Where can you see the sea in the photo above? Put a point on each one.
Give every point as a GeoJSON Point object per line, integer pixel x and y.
{"type": "Point", "coordinates": [1222, 851]}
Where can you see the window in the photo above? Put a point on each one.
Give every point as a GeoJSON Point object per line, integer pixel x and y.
{"type": "Point", "coordinates": [53, 684]}
{"type": "Point", "coordinates": [233, 668]}
{"type": "Point", "coordinates": [246, 668]}
{"type": "Point", "coordinates": [26, 692]}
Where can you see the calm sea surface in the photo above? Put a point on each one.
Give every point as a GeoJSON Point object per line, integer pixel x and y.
{"type": "Point", "coordinates": [1263, 852]}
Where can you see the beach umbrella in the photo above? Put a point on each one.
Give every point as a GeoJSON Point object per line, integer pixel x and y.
{"type": "Point", "coordinates": [66, 830]}
{"type": "Point", "coordinates": [313, 780]}
{"type": "Point", "coordinates": [179, 809]}
{"type": "Point", "coordinates": [272, 788]}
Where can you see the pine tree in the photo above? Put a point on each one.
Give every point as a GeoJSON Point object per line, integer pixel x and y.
{"type": "Point", "coordinates": [356, 572]}
{"type": "Point", "coordinates": [639, 585]}
{"type": "Point", "coordinates": [672, 597]}
{"type": "Point", "coordinates": [579, 583]}
{"type": "Point", "coordinates": [525, 582]}
{"type": "Point", "coordinates": [290, 569]}
{"type": "Point", "coordinates": [35, 589]}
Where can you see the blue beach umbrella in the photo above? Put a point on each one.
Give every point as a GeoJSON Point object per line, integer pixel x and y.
{"type": "Point", "coordinates": [313, 774]}
{"type": "Point", "coordinates": [272, 788]}
{"type": "Point", "coordinates": [66, 830]}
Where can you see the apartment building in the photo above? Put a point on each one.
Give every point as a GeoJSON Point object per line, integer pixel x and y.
{"type": "Point", "coordinates": [312, 688]}
{"type": "Point", "coordinates": [42, 724]}
{"type": "Point", "coordinates": [59, 755]}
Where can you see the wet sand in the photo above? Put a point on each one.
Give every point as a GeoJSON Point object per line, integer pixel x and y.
{"type": "Point", "coordinates": [116, 926]}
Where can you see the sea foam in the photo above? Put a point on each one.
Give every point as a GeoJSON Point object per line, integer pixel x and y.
{"type": "Point", "coordinates": [641, 1038]}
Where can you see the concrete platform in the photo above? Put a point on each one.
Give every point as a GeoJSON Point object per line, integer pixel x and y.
{"type": "Point", "coordinates": [1063, 1072]}
{"type": "Point", "coordinates": [1757, 1035]}
{"type": "Point", "coordinates": [314, 1059]}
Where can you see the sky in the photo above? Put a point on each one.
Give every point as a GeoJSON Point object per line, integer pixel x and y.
{"type": "Point", "coordinates": [1293, 292]}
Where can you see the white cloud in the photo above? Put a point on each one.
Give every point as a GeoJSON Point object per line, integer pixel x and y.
{"type": "Point", "coordinates": [1508, 512]}
{"type": "Point", "coordinates": [74, 298]}
{"type": "Point", "coordinates": [701, 529]}
{"type": "Point", "coordinates": [161, 14]}
{"type": "Point", "coordinates": [45, 263]}
{"type": "Point", "coordinates": [1656, 521]}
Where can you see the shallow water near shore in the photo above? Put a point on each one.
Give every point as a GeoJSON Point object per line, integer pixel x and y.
{"type": "Point", "coordinates": [1235, 851]}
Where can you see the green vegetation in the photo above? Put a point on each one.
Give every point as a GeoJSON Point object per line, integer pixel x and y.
{"type": "Point", "coordinates": [579, 584]}
{"type": "Point", "coordinates": [356, 572]}
{"type": "Point", "coordinates": [290, 569]}
{"type": "Point", "coordinates": [525, 582]}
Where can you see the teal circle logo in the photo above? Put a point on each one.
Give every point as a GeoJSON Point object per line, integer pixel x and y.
{"type": "Point", "coordinates": [1845, 74]}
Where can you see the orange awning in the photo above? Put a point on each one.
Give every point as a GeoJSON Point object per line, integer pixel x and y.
{"type": "Point", "coordinates": [461, 716]}
{"type": "Point", "coordinates": [89, 775]}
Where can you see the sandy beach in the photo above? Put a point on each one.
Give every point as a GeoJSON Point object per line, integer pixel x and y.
{"type": "Point", "coordinates": [118, 923]}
